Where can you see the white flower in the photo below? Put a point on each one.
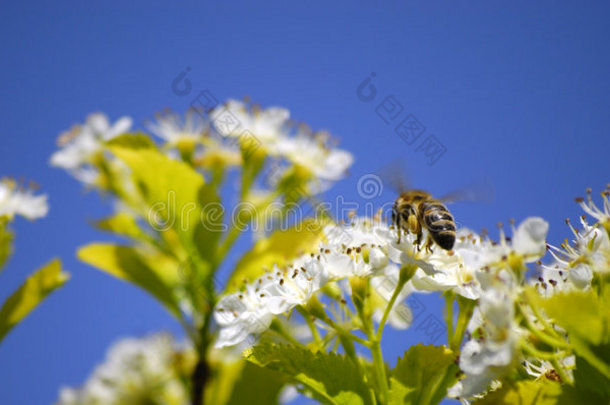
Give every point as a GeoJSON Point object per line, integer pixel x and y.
{"type": "Point", "coordinates": [542, 369]}
{"type": "Point", "coordinates": [267, 125]}
{"type": "Point", "coordinates": [171, 128]}
{"type": "Point", "coordinates": [311, 153]}
{"type": "Point", "coordinates": [294, 286]}
{"type": "Point", "coordinates": [492, 349]}
{"type": "Point", "coordinates": [241, 314]}
{"type": "Point", "coordinates": [529, 239]}
{"type": "Point", "coordinates": [575, 263]}
{"type": "Point", "coordinates": [15, 201]}
{"type": "Point", "coordinates": [81, 144]}
{"type": "Point", "coordinates": [601, 215]}
{"type": "Point", "coordinates": [134, 370]}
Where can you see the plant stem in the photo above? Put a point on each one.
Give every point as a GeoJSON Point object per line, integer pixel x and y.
{"type": "Point", "coordinates": [543, 321]}
{"type": "Point", "coordinates": [227, 243]}
{"type": "Point", "coordinates": [549, 340]}
{"type": "Point", "coordinates": [380, 371]}
{"type": "Point", "coordinates": [540, 354]}
{"type": "Point", "coordinates": [449, 297]}
{"type": "Point", "coordinates": [388, 309]}
{"type": "Point", "coordinates": [466, 308]}
{"type": "Point", "coordinates": [201, 372]}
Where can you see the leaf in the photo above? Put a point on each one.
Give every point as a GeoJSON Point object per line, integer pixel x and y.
{"type": "Point", "coordinates": [135, 140]}
{"type": "Point", "coordinates": [279, 248]}
{"type": "Point", "coordinates": [327, 377]}
{"type": "Point", "coordinates": [582, 314]}
{"type": "Point", "coordinates": [35, 288]}
{"type": "Point", "coordinates": [588, 378]}
{"type": "Point", "coordinates": [256, 385]}
{"type": "Point", "coordinates": [6, 238]}
{"type": "Point", "coordinates": [123, 224]}
{"type": "Point", "coordinates": [524, 393]}
{"type": "Point", "coordinates": [125, 263]}
{"type": "Point", "coordinates": [586, 318]}
{"type": "Point", "coordinates": [169, 188]}
{"type": "Point", "coordinates": [423, 375]}
{"type": "Point", "coordinates": [210, 226]}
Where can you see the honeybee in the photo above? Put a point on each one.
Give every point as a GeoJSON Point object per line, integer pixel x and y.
{"type": "Point", "coordinates": [416, 210]}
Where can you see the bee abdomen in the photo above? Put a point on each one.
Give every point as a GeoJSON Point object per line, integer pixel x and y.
{"type": "Point", "coordinates": [440, 223]}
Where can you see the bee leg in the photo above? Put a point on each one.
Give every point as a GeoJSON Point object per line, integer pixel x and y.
{"type": "Point", "coordinates": [429, 243]}
{"type": "Point", "coordinates": [418, 241]}
{"type": "Point", "coordinates": [415, 228]}
{"type": "Point", "coordinates": [397, 223]}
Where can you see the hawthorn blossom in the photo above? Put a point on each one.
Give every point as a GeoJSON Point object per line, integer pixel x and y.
{"type": "Point", "coordinates": [135, 371]}
{"type": "Point", "coordinates": [82, 144]}
{"type": "Point", "coordinates": [268, 126]}
{"type": "Point", "coordinates": [369, 248]}
{"type": "Point", "coordinates": [312, 153]}
{"type": "Point", "coordinates": [170, 127]}
{"type": "Point", "coordinates": [18, 201]}
{"type": "Point", "coordinates": [542, 369]}
{"type": "Point", "coordinates": [576, 263]}
{"type": "Point", "coordinates": [242, 314]}
{"type": "Point", "coordinates": [492, 350]}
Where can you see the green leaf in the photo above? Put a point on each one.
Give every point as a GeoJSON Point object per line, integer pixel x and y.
{"type": "Point", "coordinates": [279, 248]}
{"type": "Point", "coordinates": [586, 318]}
{"type": "Point", "coordinates": [582, 314]}
{"type": "Point", "coordinates": [169, 188]}
{"type": "Point", "coordinates": [423, 375]}
{"type": "Point", "coordinates": [123, 224]}
{"type": "Point", "coordinates": [589, 378]}
{"type": "Point", "coordinates": [35, 288]}
{"type": "Point", "coordinates": [125, 263]}
{"type": "Point", "coordinates": [135, 140]}
{"type": "Point", "coordinates": [6, 239]}
{"type": "Point", "coordinates": [210, 226]}
{"type": "Point", "coordinates": [327, 377]}
{"type": "Point", "coordinates": [256, 385]}
{"type": "Point", "coordinates": [524, 393]}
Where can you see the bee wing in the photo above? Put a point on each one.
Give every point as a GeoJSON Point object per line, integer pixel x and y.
{"type": "Point", "coordinates": [478, 191]}
{"type": "Point", "coordinates": [394, 175]}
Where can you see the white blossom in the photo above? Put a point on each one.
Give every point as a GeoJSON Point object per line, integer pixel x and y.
{"type": "Point", "coordinates": [135, 370]}
{"type": "Point", "coordinates": [81, 145]}
{"type": "Point", "coordinates": [19, 201]}
{"type": "Point", "coordinates": [492, 349]}
{"type": "Point", "coordinates": [170, 127]}
{"type": "Point", "coordinates": [542, 369]}
{"type": "Point", "coordinates": [268, 126]}
{"type": "Point", "coordinates": [575, 263]}
{"type": "Point", "coordinates": [312, 153]}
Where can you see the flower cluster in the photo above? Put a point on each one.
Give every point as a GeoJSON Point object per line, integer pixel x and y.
{"type": "Point", "coordinates": [369, 248]}
{"type": "Point", "coordinates": [83, 145]}
{"type": "Point", "coordinates": [207, 141]}
{"type": "Point", "coordinates": [15, 200]}
{"type": "Point", "coordinates": [344, 285]}
{"type": "Point", "coordinates": [136, 371]}
{"type": "Point", "coordinates": [270, 129]}
{"type": "Point", "coordinates": [575, 264]}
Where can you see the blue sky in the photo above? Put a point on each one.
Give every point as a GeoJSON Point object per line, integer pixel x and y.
{"type": "Point", "coordinates": [516, 93]}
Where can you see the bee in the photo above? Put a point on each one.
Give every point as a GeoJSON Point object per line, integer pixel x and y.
{"type": "Point", "coordinates": [416, 210]}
